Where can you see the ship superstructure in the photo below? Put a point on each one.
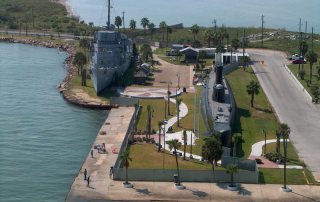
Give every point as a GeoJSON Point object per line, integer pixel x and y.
{"type": "Point", "coordinates": [111, 55]}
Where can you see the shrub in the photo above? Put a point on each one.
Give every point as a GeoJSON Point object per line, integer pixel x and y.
{"type": "Point", "coordinates": [273, 157]}
{"type": "Point", "coordinates": [154, 131]}
{"type": "Point", "coordinates": [139, 139]}
{"type": "Point", "coordinates": [144, 138]}
{"type": "Point", "coordinates": [153, 141]}
{"type": "Point", "coordinates": [148, 140]}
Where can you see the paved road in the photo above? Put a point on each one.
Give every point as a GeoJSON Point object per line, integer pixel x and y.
{"type": "Point", "coordinates": [291, 105]}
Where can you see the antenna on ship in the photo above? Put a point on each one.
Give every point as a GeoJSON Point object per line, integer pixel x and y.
{"type": "Point", "coordinates": [108, 22]}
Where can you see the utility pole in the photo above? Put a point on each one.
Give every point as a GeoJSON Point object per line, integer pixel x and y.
{"type": "Point", "coordinates": [306, 30]}
{"type": "Point", "coordinates": [199, 112]}
{"type": "Point", "coordinates": [312, 39]}
{"type": "Point", "coordinates": [262, 23]}
{"type": "Point", "coordinates": [124, 28]}
{"type": "Point", "coordinates": [243, 48]}
{"type": "Point", "coordinates": [300, 38]}
{"type": "Point", "coordinates": [108, 22]}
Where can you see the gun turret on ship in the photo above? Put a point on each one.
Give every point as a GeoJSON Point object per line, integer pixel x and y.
{"type": "Point", "coordinates": [111, 55]}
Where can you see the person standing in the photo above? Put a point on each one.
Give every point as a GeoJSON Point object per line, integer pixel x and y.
{"type": "Point", "coordinates": [91, 153]}
{"type": "Point", "coordinates": [85, 174]}
{"type": "Point", "coordinates": [88, 181]}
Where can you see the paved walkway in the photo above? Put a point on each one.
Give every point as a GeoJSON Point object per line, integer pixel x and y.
{"type": "Point", "coordinates": [149, 93]}
{"type": "Point", "coordinates": [98, 167]}
{"type": "Point", "coordinates": [256, 153]}
{"type": "Point", "coordinates": [165, 191]}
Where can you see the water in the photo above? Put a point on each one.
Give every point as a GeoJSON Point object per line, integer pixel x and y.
{"type": "Point", "coordinates": [43, 139]}
{"type": "Point", "coordinates": [235, 13]}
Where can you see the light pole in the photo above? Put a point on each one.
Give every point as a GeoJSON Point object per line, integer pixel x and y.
{"type": "Point", "coordinates": [265, 140]}
{"type": "Point", "coordinates": [194, 117]}
{"type": "Point", "coordinates": [178, 75]}
{"type": "Point", "coordinates": [164, 142]}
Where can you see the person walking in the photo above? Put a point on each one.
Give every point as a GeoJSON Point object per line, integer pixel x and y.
{"type": "Point", "coordinates": [111, 172]}
{"type": "Point", "coordinates": [85, 174]}
{"type": "Point", "coordinates": [88, 181]}
{"type": "Point", "coordinates": [91, 153]}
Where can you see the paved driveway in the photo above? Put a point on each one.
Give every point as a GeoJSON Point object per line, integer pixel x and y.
{"type": "Point", "coordinates": [291, 105]}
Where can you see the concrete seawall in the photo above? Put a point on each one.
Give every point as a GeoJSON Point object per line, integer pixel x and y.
{"type": "Point", "coordinates": [112, 134]}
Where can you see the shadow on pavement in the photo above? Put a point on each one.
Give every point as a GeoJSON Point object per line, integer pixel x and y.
{"type": "Point", "coordinates": [243, 191]}
{"type": "Point", "coordinates": [312, 199]}
{"type": "Point", "coordinates": [143, 191]}
{"type": "Point", "coordinates": [223, 185]}
{"type": "Point", "coordinates": [198, 193]}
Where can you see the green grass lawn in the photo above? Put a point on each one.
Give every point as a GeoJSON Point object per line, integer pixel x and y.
{"type": "Point", "coordinates": [146, 156]}
{"type": "Point", "coordinates": [275, 176]}
{"type": "Point", "coordinates": [292, 155]}
{"type": "Point", "coordinates": [305, 82]}
{"type": "Point", "coordinates": [250, 121]}
{"type": "Point", "coordinates": [158, 113]}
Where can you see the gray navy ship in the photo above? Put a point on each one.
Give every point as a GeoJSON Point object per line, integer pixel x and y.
{"type": "Point", "coordinates": [111, 56]}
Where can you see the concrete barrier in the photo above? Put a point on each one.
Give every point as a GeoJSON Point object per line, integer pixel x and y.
{"type": "Point", "coordinates": [160, 175]}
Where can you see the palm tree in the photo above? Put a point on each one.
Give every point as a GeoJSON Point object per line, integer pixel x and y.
{"type": "Point", "coordinates": [159, 144]}
{"type": "Point", "coordinates": [152, 29]}
{"type": "Point", "coordinates": [118, 22]}
{"type": "Point", "coordinates": [144, 23]}
{"type": "Point", "coordinates": [212, 151]}
{"type": "Point", "coordinates": [169, 31]}
{"type": "Point", "coordinates": [91, 27]}
{"type": "Point", "coordinates": [195, 30]}
{"type": "Point", "coordinates": [79, 61]}
{"type": "Point", "coordinates": [278, 145]}
{"type": "Point", "coordinates": [284, 131]}
{"type": "Point", "coordinates": [235, 44]}
{"type": "Point", "coordinates": [253, 89]}
{"type": "Point", "coordinates": [132, 24]}
{"type": "Point", "coordinates": [237, 138]}
{"type": "Point", "coordinates": [146, 52]}
{"type": "Point", "coordinates": [175, 144]}
{"type": "Point", "coordinates": [125, 158]}
{"type": "Point", "coordinates": [179, 101]}
{"type": "Point", "coordinates": [231, 169]}
{"type": "Point", "coordinates": [163, 27]}
{"type": "Point", "coordinates": [185, 140]}
{"type": "Point", "coordinates": [149, 115]}
{"type": "Point", "coordinates": [168, 94]}
{"type": "Point", "coordinates": [312, 57]}
{"type": "Point", "coordinates": [208, 35]}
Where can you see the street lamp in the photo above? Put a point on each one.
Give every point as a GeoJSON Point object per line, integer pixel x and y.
{"type": "Point", "coordinates": [164, 141]}
{"type": "Point", "coordinates": [178, 75]}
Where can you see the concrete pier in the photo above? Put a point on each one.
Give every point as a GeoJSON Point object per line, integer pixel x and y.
{"type": "Point", "coordinates": [112, 133]}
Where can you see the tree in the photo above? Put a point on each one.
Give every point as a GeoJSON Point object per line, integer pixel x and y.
{"type": "Point", "coordinates": [152, 29]}
{"type": "Point", "coordinates": [284, 131]}
{"type": "Point", "coordinates": [125, 159]}
{"type": "Point", "coordinates": [208, 36]}
{"type": "Point", "coordinates": [159, 126]}
{"type": "Point", "coordinates": [237, 138]}
{"type": "Point", "coordinates": [79, 61]}
{"type": "Point", "coordinates": [149, 116]}
{"type": "Point", "coordinates": [231, 169]}
{"type": "Point", "coordinates": [91, 27]}
{"type": "Point", "coordinates": [312, 58]}
{"type": "Point", "coordinates": [169, 31]}
{"type": "Point", "coordinates": [132, 24]}
{"type": "Point", "coordinates": [168, 94]}
{"type": "Point", "coordinates": [253, 89]}
{"type": "Point", "coordinates": [318, 72]}
{"type": "Point", "coordinates": [195, 30]}
{"type": "Point", "coordinates": [118, 22]}
{"type": "Point", "coordinates": [144, 23]}
{"type": "Point", "coordinates": [304, 48]}
{"type": "Point", "coordinates": [212, 151]}
{"type": "Point", "coordinates": [175, 144]}
{"type": "Point", "coordinates": [163, 27]}
{"type": "Point", "coordinates": [185, 142]}
{"type": "Point", "coordinates": [146, 52]}
{"type": "Point", "coordinates": [235, 44]}
{"type": "Point", "coordinates": [220, 48]}
{"type": "Point", "coordinates": [179, 101]}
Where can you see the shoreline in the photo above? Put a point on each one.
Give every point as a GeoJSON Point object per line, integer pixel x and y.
{"type": "Point", "coordinates": [71, 71]}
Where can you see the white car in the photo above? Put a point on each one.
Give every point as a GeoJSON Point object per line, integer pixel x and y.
{"type": "Point", "coordinates": [295, 57]}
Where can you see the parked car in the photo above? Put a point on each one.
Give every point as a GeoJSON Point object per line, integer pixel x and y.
{"type": "Point", "coordinates": [294, 57]}
{"type": "Point", "coordinates": [298, 61]}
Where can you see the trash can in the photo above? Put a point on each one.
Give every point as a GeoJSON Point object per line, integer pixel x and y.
{"type": "Point", "coordinates": [175, 178]}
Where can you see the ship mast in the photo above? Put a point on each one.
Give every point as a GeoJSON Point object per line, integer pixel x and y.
{"type": "Point", "coordinates": [108, 22]}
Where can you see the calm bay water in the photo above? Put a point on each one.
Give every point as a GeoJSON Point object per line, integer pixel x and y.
{"type": "Point", "coordinates": [43, 139]}
{"type": "Point", "coordinates": [235, 13]}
